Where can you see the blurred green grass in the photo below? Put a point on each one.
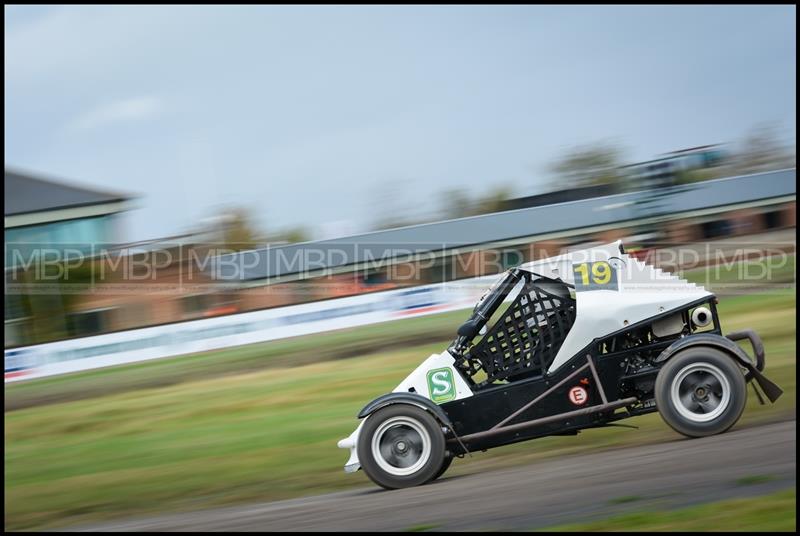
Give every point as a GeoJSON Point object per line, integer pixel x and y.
{"type": "Point", "coordinates": [776, 512]}
{"type": "Point", "coordinates": [271, 433]}
{"type": "Point", "coordinates": [737, 277]}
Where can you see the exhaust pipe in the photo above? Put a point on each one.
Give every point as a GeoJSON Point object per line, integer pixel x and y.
{"type": "Point", "coordinates": [701, 317]}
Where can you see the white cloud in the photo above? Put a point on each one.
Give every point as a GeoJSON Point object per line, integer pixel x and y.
{"type": "Point", "coordinates": [126, 110]}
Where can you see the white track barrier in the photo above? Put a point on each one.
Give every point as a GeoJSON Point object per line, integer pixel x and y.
{"type": "Point", "coordinates": [194, 336]}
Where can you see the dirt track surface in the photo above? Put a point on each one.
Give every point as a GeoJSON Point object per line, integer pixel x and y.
{"type": "Point", "coordinates": [568, 489]}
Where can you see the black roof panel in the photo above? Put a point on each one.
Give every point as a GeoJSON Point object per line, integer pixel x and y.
{"type": "Point", "coordinates": [27, 194]}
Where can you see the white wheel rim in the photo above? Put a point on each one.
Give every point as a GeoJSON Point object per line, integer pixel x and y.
{"type": "Point", "coordinates": [401, 446]}
{"type": "Point", "coordinates": [700, 392]}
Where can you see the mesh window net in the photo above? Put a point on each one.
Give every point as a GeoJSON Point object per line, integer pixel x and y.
{"type": "Point", "coordinates": [526, 337]}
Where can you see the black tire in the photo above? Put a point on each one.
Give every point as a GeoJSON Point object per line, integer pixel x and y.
{"type": "Point", "coordinates": [701, 391]}
{"type": "Point", "coordinates": [448, 459]}
{"type": "Point", "coordinates": [410, 446]}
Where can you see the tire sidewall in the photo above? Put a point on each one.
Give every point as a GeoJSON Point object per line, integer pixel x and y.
{"type": "Point", "coordinates": [725, 364]}
{"type": "Point", "coordinates": [445, 465]}
{"type": "Point", "coordinates": [425, 473]}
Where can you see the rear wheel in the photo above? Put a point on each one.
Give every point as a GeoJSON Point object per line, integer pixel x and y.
{"type": "Point", "coordinates": [401, 446]}
{"type": "Point", "coordinates": [700, 392]}
{"type": "Point", "coordinates": [448, 459]}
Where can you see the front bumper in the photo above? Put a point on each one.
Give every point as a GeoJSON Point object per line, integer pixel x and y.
{"type": "Point", "coordinates": [755, 342]}
{"type": "Point", "coordinates": [350, 442]}
{"type": "Point", "coordinates": [756, 364]}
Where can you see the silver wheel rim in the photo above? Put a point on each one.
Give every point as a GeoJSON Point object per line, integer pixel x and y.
{"type": "Point", "coordinates": [401, 446]}
{"type": "Point", "coordinates": [700, 392]}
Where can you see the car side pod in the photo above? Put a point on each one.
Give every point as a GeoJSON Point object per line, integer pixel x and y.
{"type": "Point", "coordinates": [728, 345]}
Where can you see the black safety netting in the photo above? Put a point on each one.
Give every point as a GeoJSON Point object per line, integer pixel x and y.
{"type": "Point", "coordinates": [525, 339]}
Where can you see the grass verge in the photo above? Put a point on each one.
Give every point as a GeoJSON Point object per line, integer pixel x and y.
{"type": "Point", "coordinates": [776, 512]}
{"type": "Point", "coordinates": [271, 434]}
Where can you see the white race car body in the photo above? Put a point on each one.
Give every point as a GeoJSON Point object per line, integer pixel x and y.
{"type": "Point", "coordinates": [644, 292]}
{"type": "Point", "coordinates": [584, 334]}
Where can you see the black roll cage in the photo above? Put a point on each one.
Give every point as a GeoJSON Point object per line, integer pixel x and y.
{"type": "Point", "coordinates": [484, 309]}
{"type": "Point", "coordinates": [603, 368]}
{"type": "Point", "coordinates": [524, 339]}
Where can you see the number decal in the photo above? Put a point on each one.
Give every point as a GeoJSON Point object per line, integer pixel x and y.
{"type": "Point", "coordinates": [583, 270]}
{"type": "Point", "coordinates": [601, 272]}
{"type": "Point", "coordinates": [599, 275]}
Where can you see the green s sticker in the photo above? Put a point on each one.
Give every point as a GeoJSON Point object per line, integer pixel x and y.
{"type": "Point", "coordinates": [441, 385]}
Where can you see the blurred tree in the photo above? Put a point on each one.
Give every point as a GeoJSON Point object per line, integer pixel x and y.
{"type": "Point", "coordinates": [495, 200]}
{"type": "Point", "coordinates": [393, 220]}
{"type": "Point", "coordinates": [292, 235]}
{"type": "Point", "coordinates": [391, 205]}
{"type": "Point", "coordinates": [456, 203]}
{"type": "Point", "coordinates": [238, 230]}
{"type": "Point", "coordinates": [588, 165]}
{"type": "Point", "coordinates": [763, 150]}
{"type": "Point", "coordinates": [44, 304]}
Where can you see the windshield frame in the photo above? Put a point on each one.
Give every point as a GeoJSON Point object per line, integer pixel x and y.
{"type": "Point", "coordinates": [485, 308]}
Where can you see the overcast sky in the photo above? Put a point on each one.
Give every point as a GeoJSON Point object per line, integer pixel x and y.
{"type": "Point", "coordinates": [310, 115]}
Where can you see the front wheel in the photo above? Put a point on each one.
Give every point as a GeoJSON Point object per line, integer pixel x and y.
{"type": "Point", "coordinates": [401, 446]}
{"type": "Point", "coordinates": [700, 392]}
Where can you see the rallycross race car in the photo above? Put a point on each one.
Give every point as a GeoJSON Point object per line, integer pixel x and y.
{"type": "Point", "coordinates": [583, 339]}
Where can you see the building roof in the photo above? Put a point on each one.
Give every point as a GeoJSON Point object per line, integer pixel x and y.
{"type": "Point", "coordinates": [560, 196]}
{"type": "Point", "coordinates": [677, 154]}
{"type": "Point", "coordinates": [29, 195]}
{"type": "Point", "coordinates": [613, 211]}
{"type": "Point", "coordinates": [699, 148]}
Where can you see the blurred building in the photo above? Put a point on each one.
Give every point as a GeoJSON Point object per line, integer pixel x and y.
{"type": "Point", "coordinates": [561, 196]}
{"type": "Point", "coordinates": [153, 282]}
{"type": "Point", "coordinates": [44, 211]}
{"type": "Point", "coordinates": [676, 167]}
{"type": "Point", "coordinates": [194, 276]}
{"type": "Point", "coordinates": [489, 243]}
{"type": "Point", "coordinates": [54, 220]}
